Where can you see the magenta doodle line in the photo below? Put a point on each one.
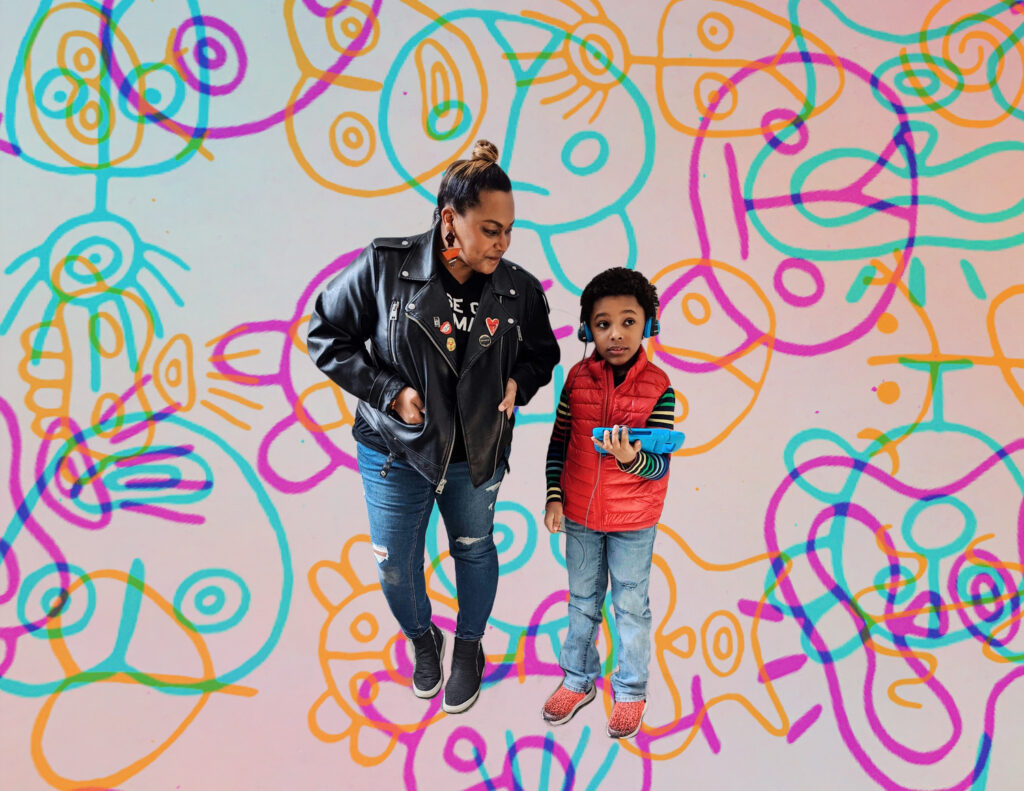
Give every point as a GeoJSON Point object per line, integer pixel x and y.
{"type": "Point", "coordinates": [739, 209]}
{"type": "Point", "coordinates": [283, 378]}
{"type": "Point", "coordinates": [798, 728]}
{"type": "Point", "coordinates": [700, 712]}
{"type": "Point", "coordinates": [856, 513]}
{"type": "Point", "coordinates": [852, 194]}
{"type": "Point", "coordinates": [832, 679]}
{"type": "Point", "coordinates": [237, 130]}
{"type": "Point", "coordinates": [977, 595]}
{"type": "Point", "coordinates": [23, 518]}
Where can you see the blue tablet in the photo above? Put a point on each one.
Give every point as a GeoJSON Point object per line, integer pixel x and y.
{"type": "Point", "coordinates": [653, 440]}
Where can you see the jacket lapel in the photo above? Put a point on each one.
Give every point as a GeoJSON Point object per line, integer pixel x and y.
{"type": "Point", "coordinates": [429, 301]}
{"type": "Point", "coordinates": [490, 324]}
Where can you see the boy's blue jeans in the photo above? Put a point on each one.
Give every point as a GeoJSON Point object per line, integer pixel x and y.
{"type": "Point", "coordinates": [592, 557]}
{"type": "Point", "coordinates": [399, 505]}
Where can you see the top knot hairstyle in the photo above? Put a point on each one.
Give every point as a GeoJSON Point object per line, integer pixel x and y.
{"type": "Point", "coordinates": [466, 178]}
{"type": "Point", "coordinates": [619, 282]}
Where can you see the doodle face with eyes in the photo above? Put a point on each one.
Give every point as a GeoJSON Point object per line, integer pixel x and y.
{"type": "Point", "coordinates": [895, 601]}
{"type": "Point", "coordinates": [87, 100]}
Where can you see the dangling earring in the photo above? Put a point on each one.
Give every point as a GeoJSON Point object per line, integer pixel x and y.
{"type": "Point", "coordinates": [451, 253]}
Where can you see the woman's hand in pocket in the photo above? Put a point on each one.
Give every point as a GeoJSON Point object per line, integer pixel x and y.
{"type": "Point", "coordinates": [508, 403]}
{"type": "Point", "coordinates": [409, 406]}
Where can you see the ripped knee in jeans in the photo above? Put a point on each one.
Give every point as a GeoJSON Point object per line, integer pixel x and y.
{"type": "Point", "coordinates": [388, 572]}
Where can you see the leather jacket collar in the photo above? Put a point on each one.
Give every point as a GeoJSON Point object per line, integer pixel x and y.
{"type": "Point", "coordinates": [421, 261]}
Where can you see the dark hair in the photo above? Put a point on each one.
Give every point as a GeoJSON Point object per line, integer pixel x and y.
{"type": "Point", "coordinates": [464, 179]}
{"type": "Point", "coordinates": [619, 282]}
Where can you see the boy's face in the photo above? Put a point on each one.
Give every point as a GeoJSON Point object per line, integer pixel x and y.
{"type": "Point", "coordinates": [618, 327]}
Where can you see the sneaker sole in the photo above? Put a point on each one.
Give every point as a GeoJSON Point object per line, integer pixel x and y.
{"type": "Point", "coordinates": [429, 693]}
{"type": "Point", "coordinates": [634, 732]}
{"type": "Point", "coordinates": [583, 702]}
{"type": "Point", "coordinates": [461, 707]}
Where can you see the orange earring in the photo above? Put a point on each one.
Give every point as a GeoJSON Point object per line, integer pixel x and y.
{"type": "Point", "coordinates": [451, 253]}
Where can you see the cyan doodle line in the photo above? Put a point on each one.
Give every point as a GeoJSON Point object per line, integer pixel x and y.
{"type": "Point", "coordinates": [917, 36]}
{"type": "Point", "coordinates": [224, 678]}
{"type": "Point", "coordinates": [523, 79]}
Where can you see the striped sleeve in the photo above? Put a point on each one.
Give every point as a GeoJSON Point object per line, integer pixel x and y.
{"type": "Point", "coordinates": [652, 465]}
{"type": "Point", "coordinates": [557, 448]}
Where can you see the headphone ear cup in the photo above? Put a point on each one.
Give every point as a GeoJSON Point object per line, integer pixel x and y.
{"type": "Point", "coordinates": [651, 327]}
{"type": "Point", "coordinates": [583, 333]}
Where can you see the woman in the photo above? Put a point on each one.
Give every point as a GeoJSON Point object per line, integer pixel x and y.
{"type": "Point", "coordinates": [458, 336]}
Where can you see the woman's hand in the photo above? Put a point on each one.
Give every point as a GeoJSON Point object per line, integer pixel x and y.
{"type": "Point", "coordinates": [618, 444]}
{"type": "Point", "coordinates": [508, 403]}
{"type": "Point", "coordinates": [553, 516]}
{"type": "Point", "coordinates": [409, 406]}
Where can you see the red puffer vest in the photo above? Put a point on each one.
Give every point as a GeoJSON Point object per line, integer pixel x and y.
{"type": "Point", "coordinates": [595, 492]}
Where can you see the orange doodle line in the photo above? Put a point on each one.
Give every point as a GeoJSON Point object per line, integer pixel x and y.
{"type": "Point", "coordinates": [72, 672]}
{"type": "Point", "coordinates": [664, 643]}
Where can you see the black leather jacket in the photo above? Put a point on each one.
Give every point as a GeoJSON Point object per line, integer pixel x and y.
{"type": "Point", "coordinates": [390, 296]}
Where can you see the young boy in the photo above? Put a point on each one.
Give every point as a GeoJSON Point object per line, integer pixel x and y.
{"type": "Point", "coordinates": [609, 504]}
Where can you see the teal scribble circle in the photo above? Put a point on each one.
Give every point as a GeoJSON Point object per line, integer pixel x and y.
{"type": "Point", "coordinates": [952, 547]}
{"type": "Point", "coordinates": [54, 601]}
{"type": "Point", "coordinates": [208, 598]}
{"type": "Point", "coordinates": [105, 257]}
{"type": "Point", "coordinates": [997, 589]}
{"type": "Point", "coordinates": [885, 584]}
{"type": "Point", "coordinates": [434, 116]}
{"type": "Point", "coordinates": [595, 164]}
{"type": "Point", "coordinates": [913, 75]}
{"type": "Point", "coordinates": [60, 104]}
{"type": "Point", "coordinates": [161, 106]}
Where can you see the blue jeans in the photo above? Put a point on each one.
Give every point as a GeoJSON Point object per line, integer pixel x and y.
{"type": "Point", "coordinates": [399, 503]}
{"type": "Point", "coordinates": [592, 557]}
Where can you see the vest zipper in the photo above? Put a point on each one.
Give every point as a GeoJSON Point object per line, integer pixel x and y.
{"type": "Point", "coordinates": [605, 417]}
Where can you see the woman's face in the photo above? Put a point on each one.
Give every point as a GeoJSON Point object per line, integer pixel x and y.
{"type": "Point", "coordinates": [483, 232]}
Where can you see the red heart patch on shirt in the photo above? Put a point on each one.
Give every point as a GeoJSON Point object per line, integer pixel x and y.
{"type": "Point", "coordinates": [492, 325]}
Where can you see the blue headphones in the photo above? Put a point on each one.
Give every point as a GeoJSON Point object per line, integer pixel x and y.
{"type": "Point", "coordinates": [651, 327]}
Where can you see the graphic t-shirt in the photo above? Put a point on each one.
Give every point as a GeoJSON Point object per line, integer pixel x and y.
{"type": "Point", "coordinates": [463, 298]}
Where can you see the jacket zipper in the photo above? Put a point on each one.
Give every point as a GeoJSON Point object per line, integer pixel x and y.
{"type": "Point", "coordinates": [392, 319]}
{"type": "Point", "coordinates": [501, 426]}
{"type": "Point", "coordinates": [451, 441]}
{"type": "Point", "coordinates": [437, 346]}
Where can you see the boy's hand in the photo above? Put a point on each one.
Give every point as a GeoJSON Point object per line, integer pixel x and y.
{"type": "Point", "coordinates": [553, 517]}
{"type": "Point", "coordinates": [618, 444]}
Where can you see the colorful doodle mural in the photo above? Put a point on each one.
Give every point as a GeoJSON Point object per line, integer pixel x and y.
{"type": "Point", "coordinates": [827, 194]}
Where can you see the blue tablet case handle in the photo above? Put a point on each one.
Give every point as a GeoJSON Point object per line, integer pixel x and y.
{"type": "Point", "coordinates": [653, 440]}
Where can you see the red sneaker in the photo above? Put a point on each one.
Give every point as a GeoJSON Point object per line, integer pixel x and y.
{"type": "Point", "coordinates": [626, 718]}
{"type": "Point", "coordinates": [564, 703]}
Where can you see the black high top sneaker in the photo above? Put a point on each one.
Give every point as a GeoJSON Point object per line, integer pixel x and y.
{"type": "Point", "coordinates": [428, 650]}
{"type": "Point", "coordinates": [463, 687]}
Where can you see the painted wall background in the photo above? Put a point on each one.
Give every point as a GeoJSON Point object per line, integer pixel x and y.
{"type": "Point", "coordinates": [828, 195]}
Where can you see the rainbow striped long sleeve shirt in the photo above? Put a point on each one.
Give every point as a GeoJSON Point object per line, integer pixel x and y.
{"type": "Point", "coordinates": [646, 465]}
